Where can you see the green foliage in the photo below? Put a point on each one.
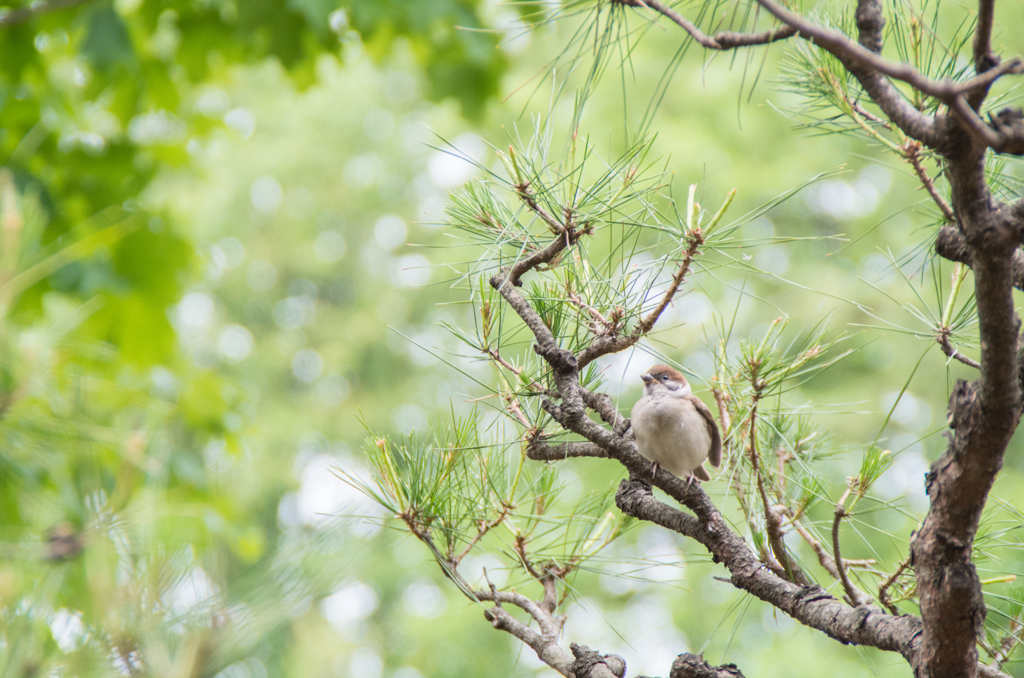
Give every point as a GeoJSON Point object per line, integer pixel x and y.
{"type": "Point", "coordinates": [459, 494]}
{"type": "Point", "coordinates": [129, 540]}
{"type": "Point", "coordinates": [97, 97]}
{"type": "Point", "coordinates": [117, 539]}
{"type": "Point", "coordinates": [84, 454]}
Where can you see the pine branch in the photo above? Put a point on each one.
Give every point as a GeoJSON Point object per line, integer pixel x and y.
{"type": "Point", "coordinates": [724, 40]}
{"type": "Point", "coordinates": [856, 596]}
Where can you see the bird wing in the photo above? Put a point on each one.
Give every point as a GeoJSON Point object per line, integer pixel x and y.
{"type": "Point", "coordinates": [715, 453]}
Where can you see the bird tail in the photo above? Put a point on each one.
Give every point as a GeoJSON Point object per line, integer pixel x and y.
{"type": "Point", "coordinates": [701, 473]}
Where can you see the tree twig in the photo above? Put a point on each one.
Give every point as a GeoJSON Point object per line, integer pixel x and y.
{"type": "Point", "coordinates": [483, 528]}
{"type": "Point", "coordinates": [496, 357]}
{"type": "Point", "coordinates": [519, 545]}
{"type": "Point", "coordinates": [545, 643]}
{"type": "Point", "coordinates": [981, 132]}
{"type": "Point", "coordinates": [526, 194]}
{"type": "Point", "coordinates": [883, 589]}
{"type": "Point", "coordinates": [861, 62]}
{"type": "Point", "coordinates": [607, 325]}
{"type": "Point", "coordinates": [724, 40]}
{"type": "Point", "coordinates": [942, 336]}
{"type": "Point", "coordinates": [772, 518]}
{"type": "Point", "coordinates": [868, 115]}
{"type": "Point", "coordinates": [547, 649]}
{"type": "Point", "coordinates": [983, 59]}
{"type": "Point", "coordinates": [613, 344]}
{"type": "Point", "coordinates": [561, 242]}
{"type": "Point", "coordinates": [826, 560]}
{"type": "Point", "coordinates": [856, 596]}
{"type": "Point", "coordinates": [839, 44]}
{"type": "Point", "coordinates": [541, 451]}
{"type": "Point", "coordinates": [605, 408]}
{"type": "Point", "coordinates": [911, 151]}
{"type": "Point", "coordinates": [723, 408]}
{"type": "Point", "coordinates": [865, 62]}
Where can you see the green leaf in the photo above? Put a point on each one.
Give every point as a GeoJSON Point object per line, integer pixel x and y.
{"type": "Point", "coordinates": [107, 42]}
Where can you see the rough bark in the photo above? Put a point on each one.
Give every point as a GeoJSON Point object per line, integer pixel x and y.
{"type": "Point", "coordinates": [694, 666]}
{"type": "Point", "coordinates": [983, 416]}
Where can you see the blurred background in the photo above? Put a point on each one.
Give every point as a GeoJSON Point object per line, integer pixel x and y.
{"type": "Point", "coordinates": [223, 263]}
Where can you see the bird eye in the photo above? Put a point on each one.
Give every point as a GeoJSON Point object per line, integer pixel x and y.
{"type": "Point", "coordinates": [664, 377]}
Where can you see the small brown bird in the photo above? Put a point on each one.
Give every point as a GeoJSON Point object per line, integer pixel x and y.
{"type": "Point", "coordinates": [673, 427]}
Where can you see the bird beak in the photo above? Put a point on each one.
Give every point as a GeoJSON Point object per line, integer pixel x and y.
{"type": "Point", "coordinates": [647, 378]}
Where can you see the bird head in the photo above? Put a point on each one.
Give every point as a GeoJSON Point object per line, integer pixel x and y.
{"type": "Point", "coordinates": [665, 380]}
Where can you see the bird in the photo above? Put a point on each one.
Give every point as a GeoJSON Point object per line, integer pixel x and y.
{"type": "Point", "coordinates": [673, 428]}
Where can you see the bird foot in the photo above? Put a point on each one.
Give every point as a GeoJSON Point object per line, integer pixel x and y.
{"type": "Point", "coordinates": [654, 470]}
